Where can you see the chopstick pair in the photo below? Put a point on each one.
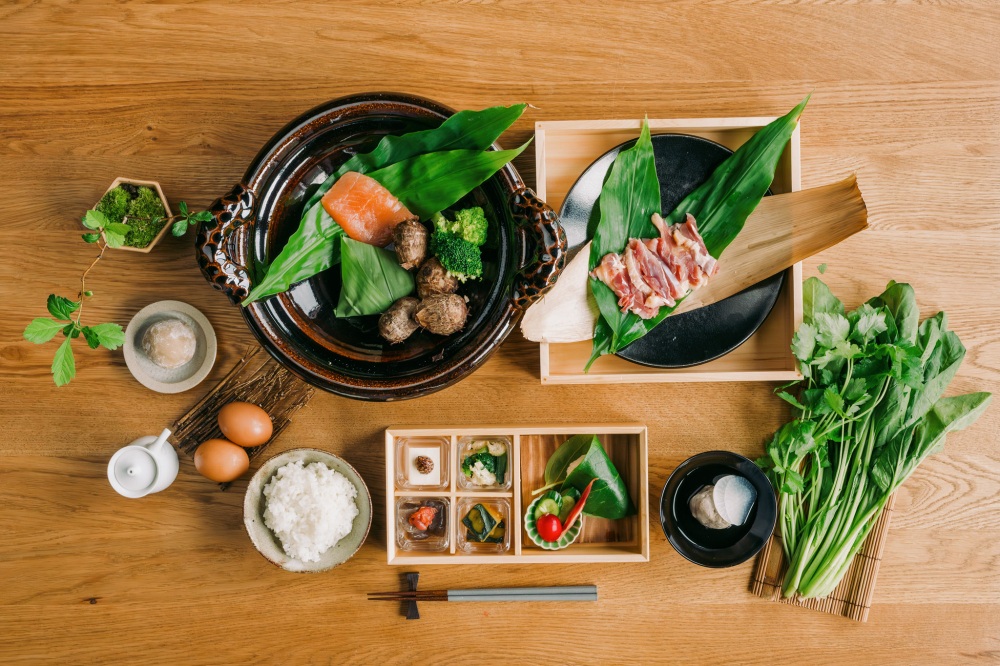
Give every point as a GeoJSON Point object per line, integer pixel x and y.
{"type": "Point", "coordinates": [557, 593]}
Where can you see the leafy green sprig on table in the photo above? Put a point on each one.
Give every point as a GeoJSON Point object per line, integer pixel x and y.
{"type": "Point", "coordinates": [185, 219]}
{"type": "Point", "coordinates": [870, 410]}
{"type": "Point", "coordinates": [67, 314]}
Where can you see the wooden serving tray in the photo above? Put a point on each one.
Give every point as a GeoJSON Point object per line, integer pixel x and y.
{"type": "Point", "coordinates": [563, 149]}
{"type": "Point", "coordinates": [625, 540]}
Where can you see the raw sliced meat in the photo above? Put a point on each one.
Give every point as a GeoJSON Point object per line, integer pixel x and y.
{"type": "Point", "coordinates": [657, 272]}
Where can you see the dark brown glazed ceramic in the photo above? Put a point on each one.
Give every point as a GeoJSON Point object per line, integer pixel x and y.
{"type": "Point", "coordinates": [522, 258]}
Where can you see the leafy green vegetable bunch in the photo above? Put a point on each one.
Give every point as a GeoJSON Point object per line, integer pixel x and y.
{"type": "Point", "coordinates": [869, 411]}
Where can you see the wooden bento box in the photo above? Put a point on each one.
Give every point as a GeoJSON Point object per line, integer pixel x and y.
{"type": "Point", "coordinates": [563, 150]}
{"type": "Point", "coordinates": [601, 540]}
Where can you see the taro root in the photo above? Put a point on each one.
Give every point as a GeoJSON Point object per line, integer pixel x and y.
{"type": "Point", "coordinates": [442, 314]}
{"type": "Point", "coordinates": [396, 324]}
{"type": "Point", "coordinates": [432, 278]}
{"type": "Point", "coordinates": [410, 239]}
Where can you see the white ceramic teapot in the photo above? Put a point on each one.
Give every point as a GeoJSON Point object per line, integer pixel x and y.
{"type": "Point", "coordinates": [147, 465]}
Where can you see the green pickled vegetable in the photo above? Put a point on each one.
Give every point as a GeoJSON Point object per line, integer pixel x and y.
{"type": "Point", "coordinates": [547, 505]}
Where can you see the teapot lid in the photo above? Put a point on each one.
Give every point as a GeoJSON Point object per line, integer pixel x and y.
{"type": "Point", "coordinates": [132, 471]}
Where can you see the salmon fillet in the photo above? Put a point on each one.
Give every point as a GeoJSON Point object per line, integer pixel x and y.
{"type": "Point", "coordinates": [367, 211]}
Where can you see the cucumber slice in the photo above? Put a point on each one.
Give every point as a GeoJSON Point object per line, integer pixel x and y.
{"type": "Point", "coordinates": [567, 506]}
{"type": "Point", "coordinates": [546, 505]}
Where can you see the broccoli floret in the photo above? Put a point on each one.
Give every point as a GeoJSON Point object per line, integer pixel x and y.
{"type": "Point", "coordinates": [469, 224]}
{"type": "Point", "coordinates": [458, 256]}
{"type": "Point", "coordinates": [489, 462]}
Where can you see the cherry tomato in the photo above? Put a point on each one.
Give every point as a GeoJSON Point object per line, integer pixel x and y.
{"type": "Point", "coordinates": [549, 527]}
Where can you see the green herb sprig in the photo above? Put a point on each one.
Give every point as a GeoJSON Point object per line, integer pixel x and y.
{"type": "Point", "coordinates": [186, 219]}
{"type": "Point", "coordinates": [67, 314]}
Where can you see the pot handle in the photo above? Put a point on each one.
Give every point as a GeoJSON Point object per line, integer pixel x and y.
{"type": "Point", "coordinates": [544, 247]}
{"type": "Point", "coordinates": [215, 247]}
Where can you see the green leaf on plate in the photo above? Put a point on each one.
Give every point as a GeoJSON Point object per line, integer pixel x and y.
{"type": "Point", "coordinates": [315, 247]}
{"type": "Point", "coordinates": [609, 497]}
{"type": "Point", "coordinates": [428, 183]}
{"type": "Point", "coordinates": [371, 279]}
{"type": "Point", "coordinates": [720, 205]}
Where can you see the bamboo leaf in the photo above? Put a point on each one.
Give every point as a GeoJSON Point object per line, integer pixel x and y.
{"type": "Point", "coordinates": [428, 183]}
{"type": "Point", "coordinates": [371, 278]}
{"type": "Point", "coordinates": [466, 130]}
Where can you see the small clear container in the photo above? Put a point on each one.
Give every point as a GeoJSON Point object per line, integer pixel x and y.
{"type": "Point", "coordinates": [410, 536]}
{"type": "Point", "coordinates": [497, 507]}
{"type": "Point", "coordinates": [410, 451]}
{"type": "Point", "coordinates": [468, 446]}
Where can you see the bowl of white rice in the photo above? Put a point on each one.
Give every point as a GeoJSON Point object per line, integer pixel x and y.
{"type": "Point", "coordinates": [307, 510]}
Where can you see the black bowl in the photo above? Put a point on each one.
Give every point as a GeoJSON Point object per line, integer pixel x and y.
{"type": "Point", "coordinates": [708, 547]}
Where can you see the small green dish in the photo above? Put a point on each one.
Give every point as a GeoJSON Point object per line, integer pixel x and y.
{"type": "Point", "coordinates": [532, 530]}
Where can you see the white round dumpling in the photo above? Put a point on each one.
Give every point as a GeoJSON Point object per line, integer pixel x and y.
{"type": "Point", "coordinates": [169, 343]}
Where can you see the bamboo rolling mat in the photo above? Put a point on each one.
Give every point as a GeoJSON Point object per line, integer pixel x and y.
{"type": "Point", "coordinates": [852, 598]}
{"type": "Point", "coordinates": [257, 378]}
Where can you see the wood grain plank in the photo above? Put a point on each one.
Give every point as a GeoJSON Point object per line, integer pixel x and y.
{"type": "Point", "coordinates": [906, 95]}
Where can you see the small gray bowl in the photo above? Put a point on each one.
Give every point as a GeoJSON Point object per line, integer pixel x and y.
{"type": "Point", "coordinates": [268, 545]}
{"type": "Point", "coordinates": [169, 380]}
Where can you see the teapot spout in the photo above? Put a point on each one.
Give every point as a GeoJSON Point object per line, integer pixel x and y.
{"type": "Point", "coordinates": [157, 446]}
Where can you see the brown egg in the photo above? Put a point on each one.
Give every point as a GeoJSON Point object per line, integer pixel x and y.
{"type": "Point", "coordinates": [245, 424]}
{"type": "Point", "coordinates": [221, 460]}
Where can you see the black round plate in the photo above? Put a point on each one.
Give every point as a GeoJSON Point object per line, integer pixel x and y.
{"type": "Point", "coordinates": [708, 547]}
{"type": "Point", "coordinates": [683, 162]}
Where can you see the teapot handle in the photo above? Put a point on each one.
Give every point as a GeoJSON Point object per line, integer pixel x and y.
{"type": "Point", "coordinates": [544, 247]}
{"type": "Point", "coordinates": [216, 245]}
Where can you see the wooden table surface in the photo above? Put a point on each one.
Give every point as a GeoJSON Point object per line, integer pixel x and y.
{"type": "Point", "coordinates": [908, 97]}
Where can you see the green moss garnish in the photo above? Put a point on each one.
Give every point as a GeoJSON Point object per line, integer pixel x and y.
{"type": "Point", "coordinates": [145, 213]}
{"type": "Point", "coordinates": [114, 204]}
